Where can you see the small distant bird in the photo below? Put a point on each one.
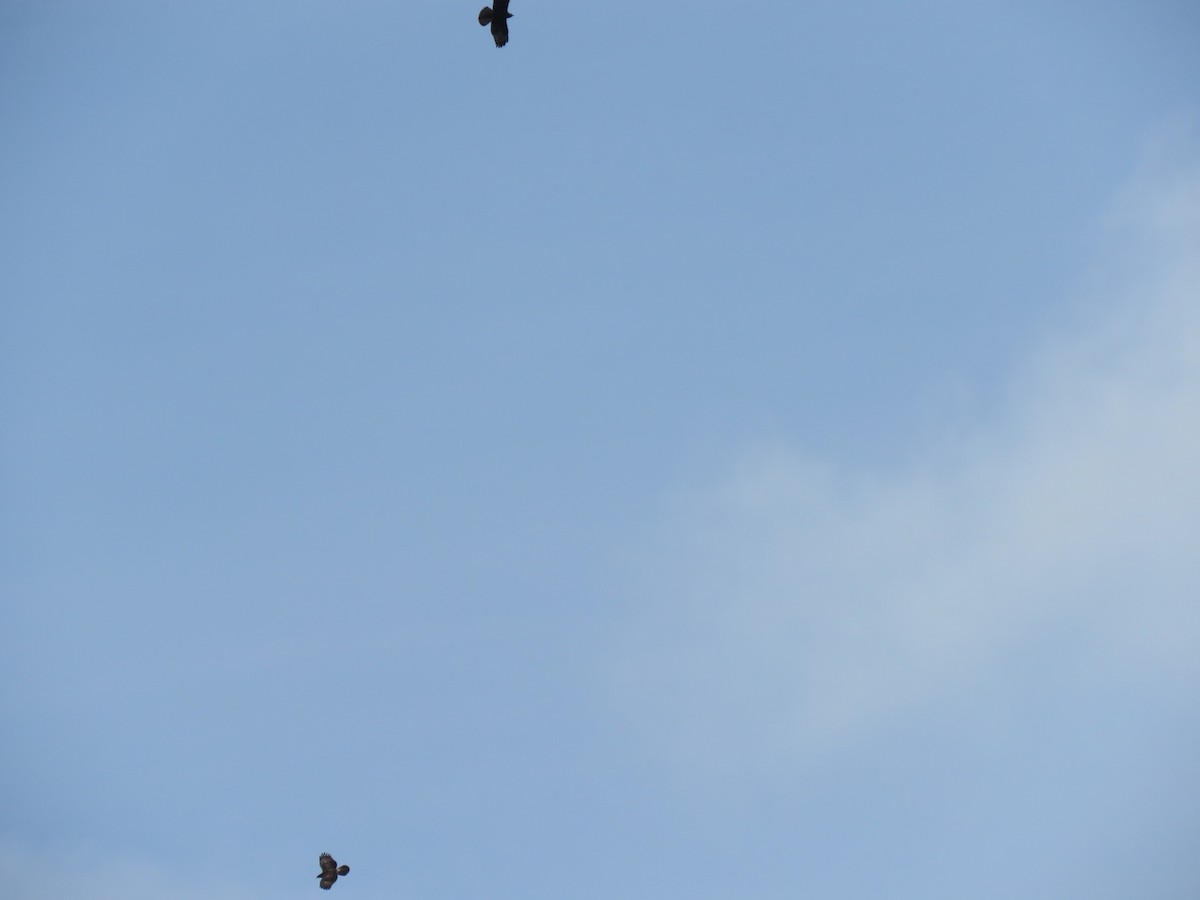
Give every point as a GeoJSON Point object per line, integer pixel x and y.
{"type": "Point", "coordinates": [498, 15]}
{"type": "Point", "coordinates": [330, 871]}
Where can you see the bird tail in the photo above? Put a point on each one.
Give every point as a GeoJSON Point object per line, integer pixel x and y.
{"type": "Point", "coordinates": [485, 15]}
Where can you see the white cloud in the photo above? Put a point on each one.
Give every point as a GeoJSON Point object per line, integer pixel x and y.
{"type": "Point", "coordinates": [797, 605]}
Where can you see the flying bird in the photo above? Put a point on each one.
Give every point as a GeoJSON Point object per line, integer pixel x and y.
{"type": "Point", "coordinates": [498, 15]}
{"type": "Point", "coordinates": [330, 871]}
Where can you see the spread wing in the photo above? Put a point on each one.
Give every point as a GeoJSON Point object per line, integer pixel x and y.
{"type": "Point", "coordinates": [328, 864]}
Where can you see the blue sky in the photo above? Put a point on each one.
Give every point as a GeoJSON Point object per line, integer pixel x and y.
{"type": "Point", "coordinates": [710, 452]}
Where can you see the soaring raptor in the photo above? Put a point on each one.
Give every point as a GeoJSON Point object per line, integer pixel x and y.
{"type": "Point", "coordinates": [498, 15]}
{"type": "Point", "coordinates": [330, 870]}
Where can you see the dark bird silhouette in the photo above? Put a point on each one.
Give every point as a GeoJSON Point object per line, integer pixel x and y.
{"type": "Point", "coordinates": [330, 870]}
{"type": "Point", "coordinates": [498, 15]}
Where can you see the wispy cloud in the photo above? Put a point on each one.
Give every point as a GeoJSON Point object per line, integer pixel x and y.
{"type": "Point", "coordinates": [797, 605]}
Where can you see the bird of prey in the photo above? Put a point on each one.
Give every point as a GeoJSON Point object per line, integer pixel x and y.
{"type": "Point", "coordinates": [330, 871]}
{"type": "Point", "coordinates": [498, 15]}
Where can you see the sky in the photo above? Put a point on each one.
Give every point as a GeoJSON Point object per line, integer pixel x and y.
{"type": "Point", "coordinates": [716, 452]}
